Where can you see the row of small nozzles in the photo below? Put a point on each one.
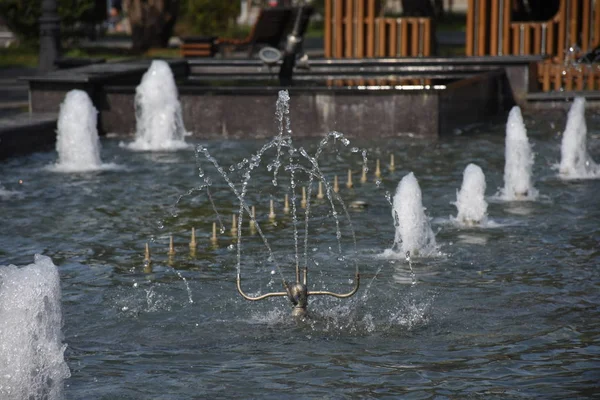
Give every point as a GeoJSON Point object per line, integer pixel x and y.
{"type": "Point", "coordinates": [193, 244]}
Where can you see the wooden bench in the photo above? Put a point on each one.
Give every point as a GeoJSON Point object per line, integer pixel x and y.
{"type": "Point", "coordinates": [199, 46]}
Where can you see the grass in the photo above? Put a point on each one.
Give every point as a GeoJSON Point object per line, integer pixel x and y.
{"type": "Point", "coordinates": [22, 56]}
{"type": "Point", "coordinates": [28, 56]}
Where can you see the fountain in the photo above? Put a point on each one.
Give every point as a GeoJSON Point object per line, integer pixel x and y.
{"type": "Point", "coordinates": [32, 364]}
{"type": "Point", "coordinates": [575, 162]}
{"type": "Point", "coordinates": [298, 164]}
{"type": "Point", "coordinates": [518, 160]}
{"type": "Point", "coordinates": [413, 231]}
{"type": "Point", "coordinates": [470, 202]}
{"type": "Point", "coordinates": [159, 124]}
{"type": "Point", "coordinates": [133, 330]}
{"type": "Point", "coordinates": [77, 141]}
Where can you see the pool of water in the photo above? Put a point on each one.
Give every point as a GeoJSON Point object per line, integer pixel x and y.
{"type": "Point", "coordinates": [509, 311]}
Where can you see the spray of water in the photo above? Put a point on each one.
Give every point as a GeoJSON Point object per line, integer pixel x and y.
{"type": "Point", "coordinates": [470, 201]}
{"type": "Point", "coordinates": [519, 157]}
{"type": "Point", "coordinates": [77, 141]}
{"type": "Point", "coordinates": [413, 231]}
{"type": "Point", "coordinates": [575, 162]}
{"type": "Point", "coordinates": [159, 124]}
{"type": "Point", "coordinates": [32, 364]}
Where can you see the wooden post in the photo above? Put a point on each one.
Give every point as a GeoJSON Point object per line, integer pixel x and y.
{"type": "Point", "coordinates": [481, 40]}
{"type": "Point", "coordinates": [371, 29]}
{"type": "Point", "coordinates": [328, 29]}
{"type": "Point", "coordinates": [404, 38]}
{"type": "Point", "coordinates": [338, 26]}
{"type": "Point", "coordinates": [506, 21]}
{"type": "Point", "coordinates": [360, 29]}
{"type": "Point", "coordinates": [562, 30]}
{"type": "Point", "coordinates": [392, 46]}
{"type": "Point", "coordinates": [414, 51]}
{"type": "Point", "coordinates": [349, 24]}
{"type": "Point", "coordinates": [494, 28]}
{"type": "Point", "coordinates": [470, 27]}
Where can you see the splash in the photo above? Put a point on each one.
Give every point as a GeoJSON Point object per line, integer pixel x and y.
{"type": "Point", "coordinates": [77, 142]}
{"type": "Point", "coordinates": [32, 364]}
{"type": "Point", "coordinates": [518, 160]}
{"type": "Point", "coordinates": [413, 231]}
{"type": "Point", "coordinates": [470, 202]}
{"type": "Point", "coordinates": [575, 162]}
{"type": "Point", "coordinates": [159, 124]}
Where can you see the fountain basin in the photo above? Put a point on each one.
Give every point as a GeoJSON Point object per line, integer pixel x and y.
{"type": "Point", "coordinates": [221, 98]}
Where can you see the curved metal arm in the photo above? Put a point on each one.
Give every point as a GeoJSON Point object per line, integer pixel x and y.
{"type": "Point", "coordinates": [339, 296]}
{"type": "Point", "coordinates": [264, 296]}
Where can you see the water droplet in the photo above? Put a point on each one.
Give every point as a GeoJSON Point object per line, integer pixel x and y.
{"type": "Point", "coordinates": [230, 247]}
{"type": "Point", "coordinates": [272, 272]}
{"type": "Point", "coordinates": [354, 150]}
{"type": "Point", "coordinates": [135, 284]}
{"type": "Point", "coordinates": [125, 308]}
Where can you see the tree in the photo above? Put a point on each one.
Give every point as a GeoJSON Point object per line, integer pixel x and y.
{"type": "Point", "coordinates": [22, 16]}
{"type": "Point", "coordinates": [211, 17]}
{"type": "Point", "coordinates": [152, 22]}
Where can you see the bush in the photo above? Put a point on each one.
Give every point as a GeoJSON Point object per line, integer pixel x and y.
{"type": "Point", "coordinates": [210, 17]}
{"type": "Point", "coordinates": [22, 16]}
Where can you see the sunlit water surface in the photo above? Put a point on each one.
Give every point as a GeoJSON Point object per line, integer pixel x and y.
{"type": "Point", "coordinates": [509, 311]}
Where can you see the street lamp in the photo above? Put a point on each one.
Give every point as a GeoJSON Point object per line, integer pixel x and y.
{"type": "Point", "coordinates": [49, 35]}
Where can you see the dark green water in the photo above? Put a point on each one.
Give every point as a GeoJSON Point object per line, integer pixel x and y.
{"type": "Point", "coordinates": [506, 312]}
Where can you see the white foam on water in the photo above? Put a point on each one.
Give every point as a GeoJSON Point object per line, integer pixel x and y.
{"type": "Point", "coordinates": [32, 364]}
{"type": "Point", "coordinates": [413, 231]}
{"type": "Point", "coordinates": [159, 123]}
{"type": "Point", "coordinates": [519, 159]}
{"type": "Point", "coordinates": [470, 200]}
{"type": "Point", "coordinates": [575, 162]}
{"type": "Point", "coordinates": [77, 141]}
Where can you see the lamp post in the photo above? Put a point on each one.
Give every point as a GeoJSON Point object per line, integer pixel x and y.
{"type": "Point", "coordinates": [49, 35]}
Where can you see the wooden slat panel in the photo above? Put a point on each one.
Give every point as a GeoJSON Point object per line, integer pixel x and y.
{"type": "Point", "coordinates": [481, 39]}
{"type": "Point", "coordinates": [506, 30]}
{"type": "Point", "coordinates": [515, 39]}
{"type": "Point", "coordinates": [328, 29]}
{"type": "Point", "coordinates": [550, 38]}
{"type": "Point", "coordinates": [561, 30]}
{"type": "Point", "coordinates": [590, 80]}
{"type": "Point", "coordinates": [526, 32]}
{"type": "Point", "coordinates": [537, 39]}
{"type": "Point", "coordinates": [339, 29]}
{"type": "Point", "coordinates": [596, 41]}
{"type": "Point", "coordinates": [494, 28]}
{"type": "Point", "coordinates": [360, 29]}
{"type": "Point", "coordinates": [371, 29]}
{"type": "Point", "coordinates": [579, 79]}
{"type": "Point", "coordinates": [349, 23]}
{"type": "Point", "coordinates": [573, 23]}
{"type": "Point", "coordinates": [381, 25]}
{"type": "Point", "coordinates": [569, 79]}
{"type": "Point", "coordinates": [414, 51]}
{"type": "Point", "coordinates": [557, 72]}
{"type": "Point", "coordinates": [546, 76]}
{"type": "Point", "coordinates": [470, 28]}
{"type": "Point", "coordinates": [404, 38]}
{"type": "Point", "coordinates": [585, 29]}
{"type": "Point", "coordinates": [393, 38]}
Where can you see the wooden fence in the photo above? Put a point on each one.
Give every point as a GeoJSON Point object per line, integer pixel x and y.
{"type": "Point", "coordinates": [491, 31]}
{"type": "Point", "coordinates": [354, 29]}
{"type": "Point", "coordinates": [557, 76]}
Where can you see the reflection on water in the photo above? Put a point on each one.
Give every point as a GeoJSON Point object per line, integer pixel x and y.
{"type": "Point", "coordinates": [508, 311]}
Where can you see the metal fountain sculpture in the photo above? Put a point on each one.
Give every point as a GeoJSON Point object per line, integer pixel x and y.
{"type": "Point", "coordinates": [298, 292]}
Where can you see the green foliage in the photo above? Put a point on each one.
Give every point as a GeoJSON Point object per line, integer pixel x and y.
{"type": "Point", "coordinates": [22, 16]}
{"type": "Point", "coordinates": [210, 17]}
